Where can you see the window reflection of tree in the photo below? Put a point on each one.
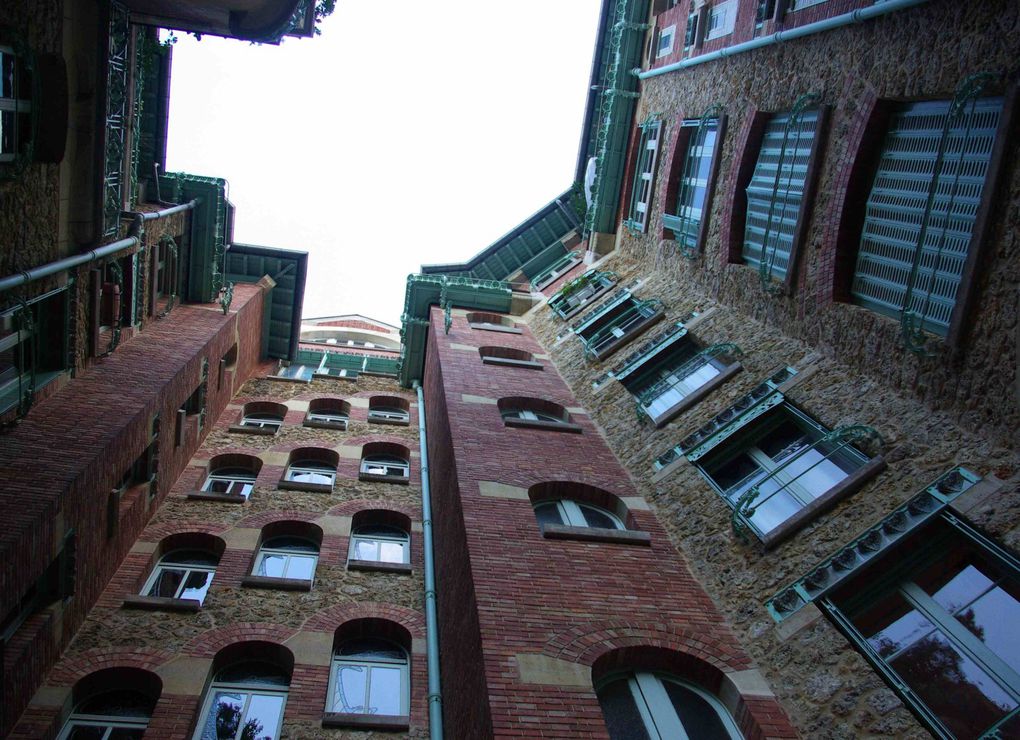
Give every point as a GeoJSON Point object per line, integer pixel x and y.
{"type": "Point", "coordinates": [228, 716]}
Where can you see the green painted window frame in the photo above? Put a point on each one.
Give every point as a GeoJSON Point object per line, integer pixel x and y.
{"type": "Point", "coordinates": [16, 105]}
{"type": "Point", "coordinates": [43, 332]}
{"type": "Point", "coordinates": [924, 548]}
{"type": "Point", "coordinates": [618, 326]}
{"type": "Point", "coordinates": [588, 287]}
{"type": "Point", "coordinates": [702, 142]}
{"type": "Point", "coordinates": [642, 191]}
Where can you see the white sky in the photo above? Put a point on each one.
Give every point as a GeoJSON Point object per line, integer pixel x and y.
{"type": "Point", "coordinates": [408, 133]}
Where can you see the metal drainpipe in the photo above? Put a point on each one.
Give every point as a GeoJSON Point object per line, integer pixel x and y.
{"type": "Point", "coordinates": [431, 619]}
{"type": "Point", "coordinates": [51, 268]}
{"type": "Point", "coordinates": [846, 19]}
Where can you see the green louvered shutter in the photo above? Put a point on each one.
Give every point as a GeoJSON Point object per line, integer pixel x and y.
{"type": "Point", "coordinates": [781, 198]}
{"type": "Point", "coordinates": [897, 203]}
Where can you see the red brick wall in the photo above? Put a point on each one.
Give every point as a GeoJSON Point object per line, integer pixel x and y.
{"type": "Point", "coordinates": [567, 599]}
{"type": "Point", "coordinates": [59, 464]}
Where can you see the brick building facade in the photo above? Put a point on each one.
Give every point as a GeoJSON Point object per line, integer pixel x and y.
{"type": "Point", "coordinates": [697, 466]}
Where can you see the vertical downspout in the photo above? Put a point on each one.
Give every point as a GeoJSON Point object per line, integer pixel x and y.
{"type": "Point", "coordinates": [435, 696]}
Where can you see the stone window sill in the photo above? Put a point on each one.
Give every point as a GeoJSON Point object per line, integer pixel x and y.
{"type": "Point", "coordinates": [241, 429]}
{"type": "Point", "coordinates": [294, 485]}
{"type": "Point", "coordinates": [494, 327]}
{"type": "Point", "coordinates": [390, 422]}
{"type": "Point", "coordinates": [381, 722]}
{"type": "Point", "coordinates": [552, 426]}
{"type": "Point", "coordinates": [339, 426]}
{"type": "Point", "coordinates": [507, 362]}
{"type": "Point", "coordinates": [226, 498]}
{"type": "Point", "coordinates": [161, 603]}
{"type": "Point", "coordinates": [697, 396]}
{"type": "Point", "coordinates": [399, 480]}
{"type": "Point", "coordinates": [595, 534]}
{"type": "Point", "coordinates": [375, 565]}
{"type": "Point", "coordinates": [279, 584]}
{"type": "Point", "coordinates": [846, 487]}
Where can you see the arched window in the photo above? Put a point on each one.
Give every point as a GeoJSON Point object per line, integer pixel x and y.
{"type": "Point", "coordinates": [245, 702]}
{"type": "Point", "coordinates": [120, 714]}
{"type": "Point", "coordinates": [369, 676]}
{"type": "Point", "coordinates": [389, 410]}
{"type": "Point", "coordinates": [328, 413]}
{"type": "Point", "coordinates": [287, 556]}
{"type": "Point", "coordinates": [231, 481]}
{"type": "Point", "coordinates": [380, 543]}
{"type": "Point", "coordinates": [576, 514]}
{"type": "Point", "coordinates": [509, 357]}
{"type": "Point", "coordinates": [182, 574]}
{"type": "Point", "coordinates": [660, 707]}
{"type": "Point", "coordinates": [311, 471]}
{"type": "Point", "coordinates": [529, 415]}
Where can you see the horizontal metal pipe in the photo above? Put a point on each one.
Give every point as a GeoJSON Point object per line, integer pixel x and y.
{"type": "Point", "coordinates": [52, 268]}
{"type": "Point", "coordinates": [846, 19]}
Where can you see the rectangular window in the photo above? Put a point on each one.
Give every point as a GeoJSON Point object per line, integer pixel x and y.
{"type": "Point", "coordinates": [693, 34]}
{"type": "Point", "coordinates": [695, 182]}
{"type": "Point", "coordinates": [33, 347]}
{"type": "Point", "coordinates": [664, 47]}
{"type": "Point", "coordinates": [15, 105]}
{"type": "Point", "coordinates": [775, 195]}
{"type": "Point", "coordinates": [618, 325]}
{"type": "Point", "coordinates": [895, 271]}
{"type": "Point", "coordinates": [666, 384]}
{"type": "Point", "coordinates": [777, 466]}
{"type": "Point", "coordinates": [302, 373]}
{"type": "Point", "coordinates": [581, 291]}
{"type": "Point", "coordinates": [721, 19]}
{"type": "Point", "coordinates": [644, 176]}
{"type": "Point", "coordinates": [940, 625]}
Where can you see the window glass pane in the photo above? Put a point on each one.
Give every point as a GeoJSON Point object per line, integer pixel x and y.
{"type": "Point", "coordinates": [384, 694]}
{"type": "Point", "coordinates": [548, 514]}
{"type": "Point", "coordinates": [350, 690]}
{"type": "Point", "coordinates": [240, 489]}
{"type": "Point", "coordinates": [254, 672]}
{"type": "Point", "coordinates": [739, 472]}
{"type": "Point", "coordinates": [167, 582]}
{"type": "Point", "coordinates": [297, 544]}
{"type": "Point", "coordinates": [307, 476]}
{"type": "Point", "coordinates": [595, 518]}
{"type": "Point", "coordinates": [391, 552]}
{"type": "Point", "coordinates": [698, 717]}
{"type": "Point", "coordinates": [623, 721]}
{"type": "Point", "coordinates": [122, 703]}
{"type": "Point", "coordinates": [224, 716]}
{"type": "Point", "coordinates": [272, 566]}
{"type": "Point", "coordinates": [189, 557]}
{"type": "Point", "coordinates": [366, 550]}
{"type": "Point", "coordinates": [81, 732]}
{"type": "Point", "coordinates": [773, 506]}
{"type": "Point", "coordinates": [301, 567]}
{"type": "Point", "coordinates": [197, 585]}
{"type": "Point", "coordinates": [126, 733]}
{"type": "Point", "coordinates": [263, 717]}
{"type": "Point", "coordinates": [813, 473]}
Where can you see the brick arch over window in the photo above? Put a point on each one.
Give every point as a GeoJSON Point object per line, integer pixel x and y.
{"type": "Point", "coordinates": [329, 619]}
{"type": "Point", "coordinates": [527, 403]}
{"type": "Point", "coordinates": [209, 644]}
{"type": "Point", "coordinates": [385, 448]}
{"type": "Point", "coordinates": [70, 670]}
{"type": "Point", "coordinates": [385, 517]}
{"type": "Point", "coordinates": [121, 677]}
{"type": "Point", "coordinates": [583, 493]}
{"type": "Point", "coordinates": [480, 317]}
{"type": "Point", "coordinates": [234, 460]}
{"type": "Point", "coordinates": [292, 528]}
{"type": "Point", "coordinates": [322, 455]}
{"type": "Point", "coordinates": [506, 353]}
{"type": "Point", "coordinates": [161, 530]}
{"type": "Point", "coordinates": [191, 541]}
{"type": "Point", "coordinates": [265, 407]}
{"type": "Point", "coordinates": [373, 627]}
{"type": "Point", "coordinates": [350, 508]}
{"type": "Point", "coordinates": [329, 406]}
{"type": "Point", "coordinates": [394, 402]}
{"type": "Point", "coordinates": [255, 650]}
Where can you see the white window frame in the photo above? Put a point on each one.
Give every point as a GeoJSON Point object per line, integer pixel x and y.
{"type": "Point", "coordinates": [571, 514]}
{"type": "Point", "coordinates": [247, 483]}
{"type": "Point", "coordinates": [109, 723]}
{"type": "Point", "coordinates": [249, 690]}
{"type": "Point", "coordinates": [668, 33]}
{"type": "Point", "coordinates": [657, 711]}
{"type": "Point", "coordinates": [389, 463]}
{"type": "Point", "coordinates": [529, 415]}
{"type": "Point", "coordinates": [310, 467]}
{"type": "Point", "coordinates": [721, 20]}
{"type": "Point", "coordinates": [398, 537]}
{"type": "Point", "coordinates": [262, 420]}
{"type": "Point", "coordinates": [388, 413]}
{"type": "Point", "coordinates": [329, 418]}
{"type": "Point", "coordinates": [289, 554]}
{"type": "Point", "coordinates": [339, 662]}
{"type": "Point", "coordinates": [643, 190]}
{"type": "Point", "coordinates": [187, 568]}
